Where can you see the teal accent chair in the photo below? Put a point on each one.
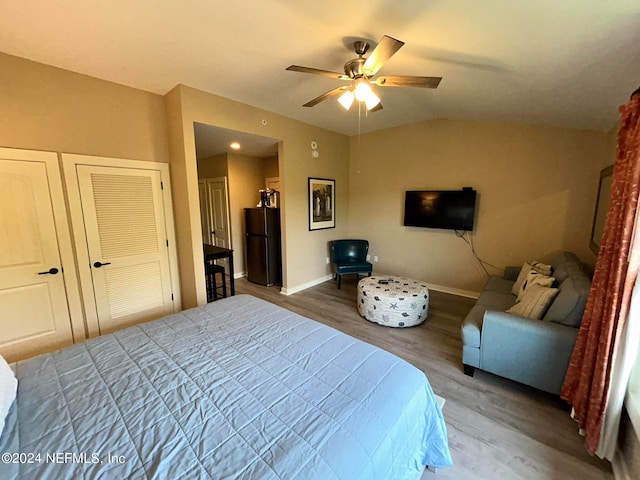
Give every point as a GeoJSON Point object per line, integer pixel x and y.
{"type": "Point", "coordinates": [349, 256]}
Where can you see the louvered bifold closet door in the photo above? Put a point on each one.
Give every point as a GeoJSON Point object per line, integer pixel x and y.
{"type": "Point", "coordinates": [126, 238]}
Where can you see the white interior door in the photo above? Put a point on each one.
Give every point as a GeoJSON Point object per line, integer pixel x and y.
{"type": "Point", "coordinates": [219, 212]}
{"type": "Point", "coordinates": [127, 242]}
{"type": "Point", "coordinates": [34, 314]}
{"type": "Point", "coordinates": [204, 213]}
{"type": "Point", "coordinates": [218, 215]}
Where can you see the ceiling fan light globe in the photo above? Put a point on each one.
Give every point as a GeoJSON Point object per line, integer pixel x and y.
{"type": "Point", "coordinates": [346, 99]}
{"type": "Point", "coordinates": [362, 91]}
{"type": "Point", "coordinates": [371, 101]}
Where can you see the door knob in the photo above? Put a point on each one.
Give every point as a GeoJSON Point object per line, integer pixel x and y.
{"type": "Point", "coordinates": [51, 271]}
{"type": "Point", "coordinates": [100, 264]}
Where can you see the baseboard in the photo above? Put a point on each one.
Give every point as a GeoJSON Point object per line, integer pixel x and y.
{"type": "Point", "coordinates": [238, 274]}
{"type": "Point", "coordinates": [304, 286]}
{"type": "Point", "coordinates": [430, 286]}
{"type": "Point", "coordinates": [438, 288]}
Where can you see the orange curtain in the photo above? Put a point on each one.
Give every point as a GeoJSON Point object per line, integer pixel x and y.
{"type": "Point", "coordinates": [586, 384]}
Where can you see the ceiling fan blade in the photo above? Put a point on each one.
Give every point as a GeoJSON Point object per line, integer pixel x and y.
{"type": "Point", "coordinates": [324, 96]}
{"type": "Point", "coordinates": [406, 81]}
{"type": "Point", "coordinates": [376, 108]}
{"type": "Point", "coordinates": [383, 52]}
{"type": "Point", "coordinates": [316, 71]}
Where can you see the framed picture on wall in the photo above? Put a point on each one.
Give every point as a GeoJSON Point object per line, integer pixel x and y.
{"type": "Point", "coordinates": [322, 203]}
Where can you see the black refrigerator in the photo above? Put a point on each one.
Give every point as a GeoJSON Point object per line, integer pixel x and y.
{"type": "Point", "coordinates": [264, 263]}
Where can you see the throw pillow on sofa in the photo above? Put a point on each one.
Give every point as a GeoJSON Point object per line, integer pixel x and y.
{"type": "Point", "coordinates": [534, 278]}
{"type": "Point", "coordinates": [526, 268]}
{"type": "Point", "coordinates": [535, 302]}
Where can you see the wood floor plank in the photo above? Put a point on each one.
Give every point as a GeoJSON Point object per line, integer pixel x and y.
{"type": "Point", "coordinates": [498, 429]}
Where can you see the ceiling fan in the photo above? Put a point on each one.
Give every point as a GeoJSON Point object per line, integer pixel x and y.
{"type": "Point", "coordinates": [360, 72]}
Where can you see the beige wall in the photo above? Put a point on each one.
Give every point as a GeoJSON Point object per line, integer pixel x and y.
{"type": "Point", "coordinates": [246, 179]}
{"type": "Point", "coordinates": [536, 195]}
{"type": "Point", "coordinates": [271, 168]}
{"type": "Point", "coordinates": [47, 108]}
{"type": "Point", "coordinates": [213, 167]}
{"type": "Point", "coordinates": [305, 251]}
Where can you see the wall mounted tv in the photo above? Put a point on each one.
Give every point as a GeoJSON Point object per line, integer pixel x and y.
{"type": "Point", "coordinates": [448, 209]}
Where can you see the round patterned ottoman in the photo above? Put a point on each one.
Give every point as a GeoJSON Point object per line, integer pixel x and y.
{"type": "Point", "coordinates": [393, 301]}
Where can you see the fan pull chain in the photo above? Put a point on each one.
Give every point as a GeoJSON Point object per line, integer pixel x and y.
{"type": "Point", "coordinates": [359, 115]}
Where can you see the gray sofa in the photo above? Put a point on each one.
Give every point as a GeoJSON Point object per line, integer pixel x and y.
{"type": "Point", "coordinates": [533, 352]}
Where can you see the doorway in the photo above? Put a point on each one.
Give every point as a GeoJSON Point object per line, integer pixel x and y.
{"type": "Point", "coordinates": [246, 170]}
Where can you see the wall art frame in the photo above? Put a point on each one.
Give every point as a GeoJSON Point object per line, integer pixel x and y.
{"type": "Point", "coordinates": [322, 203]}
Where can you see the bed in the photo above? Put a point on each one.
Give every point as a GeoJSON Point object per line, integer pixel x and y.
{"type": "Point", "coordinates": [237, 389]}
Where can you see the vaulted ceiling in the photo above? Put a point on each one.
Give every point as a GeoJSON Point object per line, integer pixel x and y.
{"type": "Point", "coordinates": [567, 63]}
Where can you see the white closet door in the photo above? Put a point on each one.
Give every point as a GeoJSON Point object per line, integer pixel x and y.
{"type": "Point", "coordinates": [34, 315]}
{"type": "Point", "coordinates": [126, 237]}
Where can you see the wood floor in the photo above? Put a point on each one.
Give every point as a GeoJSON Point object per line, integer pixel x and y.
{"type": "Point", "coordinates": [498, 429]}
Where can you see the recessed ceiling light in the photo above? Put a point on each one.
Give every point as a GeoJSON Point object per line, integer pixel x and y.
{"type": "Point", "coordinates": [235, 145]}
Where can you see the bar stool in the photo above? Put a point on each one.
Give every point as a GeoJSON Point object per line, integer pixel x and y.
{"type": "Point", "coordinates": [211, 269]}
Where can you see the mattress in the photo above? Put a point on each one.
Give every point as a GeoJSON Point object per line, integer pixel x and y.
{"type": "Point", "coordinates": [237, 389]}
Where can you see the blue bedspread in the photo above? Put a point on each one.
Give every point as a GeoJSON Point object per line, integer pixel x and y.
{"type": "Point", "coordinates": [239, 388]}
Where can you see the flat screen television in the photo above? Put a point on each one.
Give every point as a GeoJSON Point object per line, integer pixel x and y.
{"type": "Point", "coordinates": [448, 209]}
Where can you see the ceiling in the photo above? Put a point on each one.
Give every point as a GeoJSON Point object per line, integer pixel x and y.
{"type": "Point", "coordinates": [212, 141]}
{"type": "Point", "coordinates": [569, 63]}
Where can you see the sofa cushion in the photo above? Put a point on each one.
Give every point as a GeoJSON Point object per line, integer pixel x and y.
{"type": "Point", "coordinates": [535, 302]}
{"type": "Point", "coordinates": [498, 284]}
{"type": "Point", "coordinates": [564, 264]}
{"type": "Point", "coordinates": [534, 278]}
{"type": "Point", "coordinates": [496, 300]}
{"type": "Point", "coordinates": [568, 307]}
{"type": "Point", "coordinates": [524, 271]}
{"type": "Point", "coordinates": [511, 273]}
